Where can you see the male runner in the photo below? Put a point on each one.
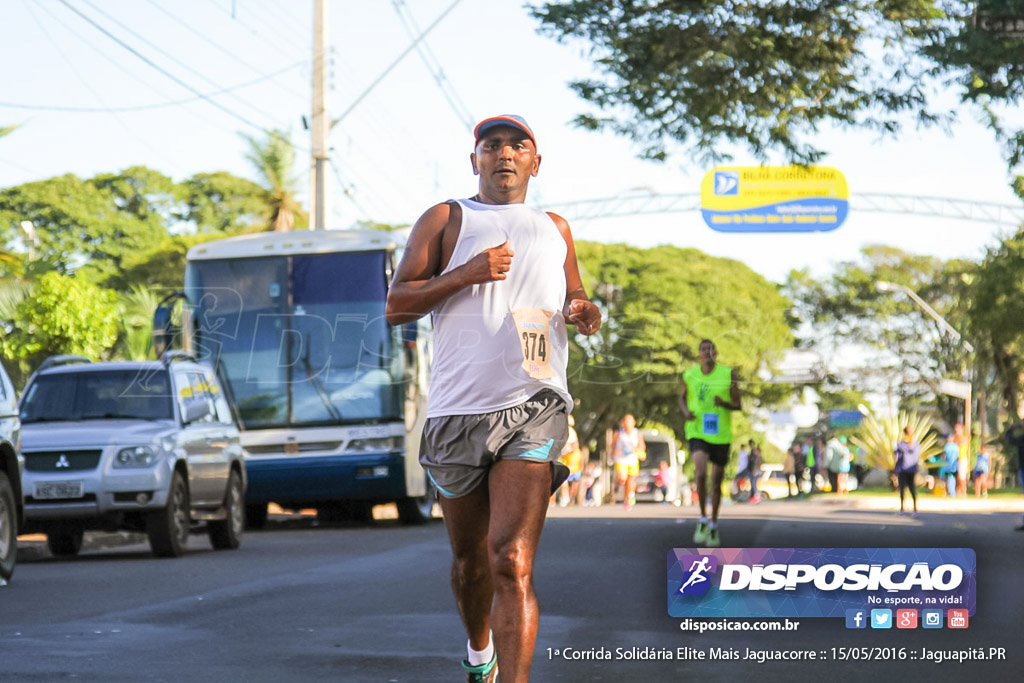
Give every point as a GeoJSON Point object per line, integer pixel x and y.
{"type": "Point", "coordinates": [502, 283]}
{"type": "Point", "coordinates": [708, 418]}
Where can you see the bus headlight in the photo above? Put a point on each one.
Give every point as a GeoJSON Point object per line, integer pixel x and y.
{"type": "Point", "coordinates": [381, 443]}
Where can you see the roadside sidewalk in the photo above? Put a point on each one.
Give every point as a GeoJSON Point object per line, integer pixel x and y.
{"type": "Point", "coordinates": [822, 503]}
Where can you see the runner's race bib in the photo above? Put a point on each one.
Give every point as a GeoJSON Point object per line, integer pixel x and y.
{"type": "Point", "coordinates": [711, 424]}
{"type": "Point", "coordinates": [534, 327]}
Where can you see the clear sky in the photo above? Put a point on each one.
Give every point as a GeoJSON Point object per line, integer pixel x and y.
{"type": "Point", "coordinates": [87, 105]}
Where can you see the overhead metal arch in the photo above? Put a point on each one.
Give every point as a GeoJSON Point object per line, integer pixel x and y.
{"type": "Point", "coordinates": [645, 202]}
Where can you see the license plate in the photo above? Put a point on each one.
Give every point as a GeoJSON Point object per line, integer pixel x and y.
{"type": "Point", "coordinates": [58, 489]}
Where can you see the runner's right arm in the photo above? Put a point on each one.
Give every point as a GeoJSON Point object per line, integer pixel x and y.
{"type": "Point", "coordinates": [687, 415]}
{"type": "Point", "coordinates": [418, 287]}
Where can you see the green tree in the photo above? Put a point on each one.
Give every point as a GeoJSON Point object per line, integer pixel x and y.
{"type": "Point", "coordinates": [92, 224]}
{"type": "Point", "coordinates": [161, 269]}
{"type": "Point", "coordinates": [274, 161]}
{"type": "Point", "coordinates": [658, 304]}
{"type": "Point", "coordinates": [63, 315]}
{"type": "Point", "coordinates": [224, 203]}
{"type": "Point", "coordinates": [996, 301]}
{"type": "Point", "coordinates": [847, 310]}
{"type": "Point", "coordinates": [768, 75]}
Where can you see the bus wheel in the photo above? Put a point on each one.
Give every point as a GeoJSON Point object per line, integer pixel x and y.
{"type": "Point", "coordinates": [256, 516]}
{"type": "Point", "coordinates": [419, 509]}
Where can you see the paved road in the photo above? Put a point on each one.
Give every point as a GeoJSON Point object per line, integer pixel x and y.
{"type": "Point", "coordinates": [304, 603]}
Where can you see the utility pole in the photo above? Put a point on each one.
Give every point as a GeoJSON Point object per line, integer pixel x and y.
{"type": "Point", "coordinates": [318, 169]}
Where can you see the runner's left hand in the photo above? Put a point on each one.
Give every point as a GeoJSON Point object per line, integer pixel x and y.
{"type": "Point", "coordinates": [586, 315]}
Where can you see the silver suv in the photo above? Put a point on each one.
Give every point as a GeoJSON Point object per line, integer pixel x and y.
{"type": "Point", "coordinates": [144, 446]}
{"type": "Point", "coordinates": [11, 504]}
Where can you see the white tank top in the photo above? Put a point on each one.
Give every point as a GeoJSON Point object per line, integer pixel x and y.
{"type": "Point", "coordinates": [479, 349]}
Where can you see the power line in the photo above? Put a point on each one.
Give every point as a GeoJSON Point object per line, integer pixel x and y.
{"type": "Point", "coordinates": [252, 30]}
{"type": "Point", "coordinates": [91, 45]}
{"type": "Point", "coordinates": [281, 19]}
{"type": "Point", "coordinates": [218, 46]}
{"type": "Point", "coordinates": [163, 71]}
{"type": "Point", "coordinates": [145, 107]}
{"type": "Point", "coordinates": [71, 65]}
{"type": "Point", "coordinates": [169, 56]}
{"type": "Point", "coordinates": [393, 64]}
{"type": "Point", "coordinates": [434, 66]}
{"type": "Point", "coordinates": [349, 192]}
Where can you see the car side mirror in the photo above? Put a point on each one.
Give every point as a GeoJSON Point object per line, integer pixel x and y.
{"type": "Point", "coordinates": [196, 410]}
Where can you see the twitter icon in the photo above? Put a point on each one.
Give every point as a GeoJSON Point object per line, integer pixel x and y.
{"type": "Point", "coordinates": [881, 618]}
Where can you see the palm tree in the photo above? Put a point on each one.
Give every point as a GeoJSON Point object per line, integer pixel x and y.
{"type": "Point", "coordinates": [878, 437]}
{"type": "Point", "coordinates": [137, 308]}
{"type": "Point", "coordinates": [274, 161]}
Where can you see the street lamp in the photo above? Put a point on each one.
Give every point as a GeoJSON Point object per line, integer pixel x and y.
{"type": "Point", "coordinates": [963, 392]}
{"type": "Point", "coordinates": [883, 286]}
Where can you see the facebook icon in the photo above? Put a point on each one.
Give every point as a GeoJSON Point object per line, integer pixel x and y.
{"type": "Point", "coordinates": [856, 618]}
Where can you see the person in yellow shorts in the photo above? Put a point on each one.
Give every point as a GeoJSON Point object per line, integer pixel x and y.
{"type": "Point", "coordinates": [628, 449]}
{"type": "Point", "coordinates": [572, 457]}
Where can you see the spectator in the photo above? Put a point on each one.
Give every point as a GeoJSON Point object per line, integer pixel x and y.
{"type": "Point", "coordinates": [628, 449]}
{"type": "Point", "coordinates": [860, 461]}
{"type": "Point", "coordinates": [590, 483]}
{"type": "Point", "coordinates": [742, 469]}
{"type": "Point", "coordinates": [1014, 438]}
{"type": "Point", "coordinates": [810, 463]}
{"type": "Point", "coordinates": [754, 468]}
{"type": "Point", "coordinates": [571, 457]}
{"type": "Point", "coordinates": [843, 477]}
{"type": "Point", "coordinates": [793, 469]}
{"type": "Point", "coordinates": [981, 466]}
{"type": "Point", "coordinates": [950, 463]}
{"type": "Point", "coordinates": [833, 458]}
{"type": "Point", "coordinates": [661, 480]}
{"type": "Point", "coordinates": [908, 453]}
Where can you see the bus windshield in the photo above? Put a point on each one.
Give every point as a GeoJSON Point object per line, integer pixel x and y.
{"type": "Point", "coordinates": [299, 340]}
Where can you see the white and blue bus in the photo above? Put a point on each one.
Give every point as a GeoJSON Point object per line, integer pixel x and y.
{"type": "Point", "coordinates": [330, 399]}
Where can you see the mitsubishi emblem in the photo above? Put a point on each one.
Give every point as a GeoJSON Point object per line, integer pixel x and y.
{"type": "Point", "coordinates": [62, 461]}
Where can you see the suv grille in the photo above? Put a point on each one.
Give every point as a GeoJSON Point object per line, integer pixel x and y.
{"type": "Point", "coordinates": [62, 461]}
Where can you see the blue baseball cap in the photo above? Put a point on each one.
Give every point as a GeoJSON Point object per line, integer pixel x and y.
{"type": "Point", "coordinates": [510, 120]}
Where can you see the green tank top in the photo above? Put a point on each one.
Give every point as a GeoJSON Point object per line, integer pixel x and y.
{"type": "Point", "coordinates": [711, 424]}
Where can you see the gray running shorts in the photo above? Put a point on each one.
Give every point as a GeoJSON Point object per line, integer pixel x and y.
{"type": "Point", "coordinates": [457, 451]}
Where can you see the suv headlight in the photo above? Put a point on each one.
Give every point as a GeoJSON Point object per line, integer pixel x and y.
{"type": "Point", "coordinates": [135, 456]}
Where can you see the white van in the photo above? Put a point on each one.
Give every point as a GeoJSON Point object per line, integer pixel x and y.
{"type": "Point", "coordinates": [662, 448]}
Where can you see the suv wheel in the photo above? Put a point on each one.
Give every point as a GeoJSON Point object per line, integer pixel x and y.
{"type": "Point", "coordinates": [227, 534]}
{"type": "Point", "coordinates": [64, 541]}
{"type": "Point", "coordinates": [8, 528]}
{"type": "Point", "coordinates": [168, 529]}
